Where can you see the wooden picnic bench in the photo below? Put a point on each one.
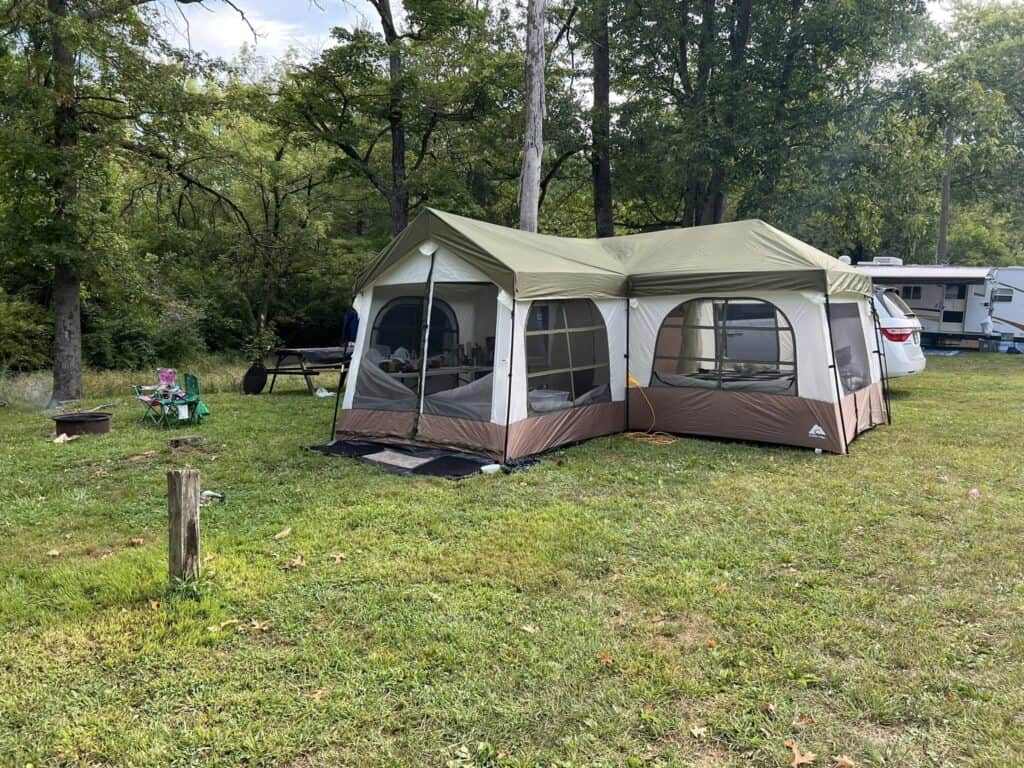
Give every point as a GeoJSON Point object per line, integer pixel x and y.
{"type": "Point", "coordinates": [308, 362]}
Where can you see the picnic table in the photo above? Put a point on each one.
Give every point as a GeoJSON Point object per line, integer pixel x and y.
{"type": "Point", "coordinates": [308, 362]}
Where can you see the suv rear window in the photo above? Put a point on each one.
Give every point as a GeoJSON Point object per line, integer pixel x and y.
{"type": "Point", "coordinates": [895, 306]}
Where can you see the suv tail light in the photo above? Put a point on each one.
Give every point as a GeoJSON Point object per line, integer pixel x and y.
{"type": "Point", "coordinates": [897, 334]}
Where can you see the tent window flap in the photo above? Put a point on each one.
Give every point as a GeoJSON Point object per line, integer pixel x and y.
{"type": "Point", "coordinates": [851, 352]}
{"type": "Point", "coordinates": [389, 373]}
{"type": "Point", "coordinates": [728, 344]}
{"type": "Point", "coordinates": [566, 355]}
{"type": "Point", "coordinates": [460, 374]}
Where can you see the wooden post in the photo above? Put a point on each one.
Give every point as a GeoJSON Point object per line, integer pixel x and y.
{"type": "Point", "coordinates": [183, 524]}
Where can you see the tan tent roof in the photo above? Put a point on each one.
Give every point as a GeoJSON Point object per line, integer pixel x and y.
{"type": "Point", "coordinates": [738, 256]}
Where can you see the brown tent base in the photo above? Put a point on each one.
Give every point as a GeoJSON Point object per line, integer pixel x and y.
{"type": "Point", "coordinates": [751, 416]}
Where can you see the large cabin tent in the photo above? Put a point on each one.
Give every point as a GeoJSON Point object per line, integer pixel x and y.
{"type": "Point", "coordinates": [488, 339]}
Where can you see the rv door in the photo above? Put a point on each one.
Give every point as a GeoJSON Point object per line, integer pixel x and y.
{"type": "Point", "coordinates": [954, 308]}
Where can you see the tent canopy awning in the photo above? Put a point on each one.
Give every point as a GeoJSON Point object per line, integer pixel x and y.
{"type": "Point", "coordinates": [737, 256]}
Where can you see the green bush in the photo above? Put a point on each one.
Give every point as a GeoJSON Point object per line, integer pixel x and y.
{"type": "Point", "coordinates": [142, 335]}
{"type": "Point", "coordinates": [26, 334]}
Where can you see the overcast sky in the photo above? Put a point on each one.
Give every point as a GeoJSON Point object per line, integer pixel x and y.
{"type": "Point", "coordinates": [299, 24]}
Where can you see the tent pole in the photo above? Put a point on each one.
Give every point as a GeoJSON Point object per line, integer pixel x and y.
{"type": "Point", "coordinates": [337, 402]}
{"type": "Point", "coordinates": [626, 427]}
{"type": "Point", "coordinates": [883, 362]}
{"type": "Point", "coordinates": [425, 347]}
{"type": "Point", "coordinates": [511, 351]}
{"type": "Point", "coordinates": [835, 372]}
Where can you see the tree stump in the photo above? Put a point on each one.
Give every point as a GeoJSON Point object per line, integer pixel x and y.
{"type": "Point", "coordinates": [183, 524]}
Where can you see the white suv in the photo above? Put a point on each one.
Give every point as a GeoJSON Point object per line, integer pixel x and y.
{"type": "Point", "coordinates": [901, 334]}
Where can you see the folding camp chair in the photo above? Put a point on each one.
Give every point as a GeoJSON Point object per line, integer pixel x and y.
{"type": "Point", "coordinates": [197, 410]}
{"type": "Point", "coordinates": [158, 398]}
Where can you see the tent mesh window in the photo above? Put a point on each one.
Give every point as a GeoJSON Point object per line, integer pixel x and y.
{"type": "Point", "coordinates": [566, 355]}
{"type": "Point", "coordinates": [460, 376]}
{"type": "Point", "coordinates": [851, 350]}
{"type": "Point", "coordinates": [731, 344]}
{"type": "Point", "coordinates": [389, 372]}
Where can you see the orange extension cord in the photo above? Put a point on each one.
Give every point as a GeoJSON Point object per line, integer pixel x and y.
{"type": "Point", "coordinates": [650, 436]}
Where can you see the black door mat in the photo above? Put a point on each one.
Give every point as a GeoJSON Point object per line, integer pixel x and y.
{"type": "Point", "coordinates": [408, 459]}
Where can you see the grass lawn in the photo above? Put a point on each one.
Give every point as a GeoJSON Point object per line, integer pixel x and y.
{"type": "Point", "coordinates": [698, 603]}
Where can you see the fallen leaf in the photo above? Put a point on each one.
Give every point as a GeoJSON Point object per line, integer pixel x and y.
{"type": "Point", "coordinates": [974, 493]}
{"type": "Point", "coordinates": [844, 762]}
{"type": "Point", "coordinates": [283, 534]}
{"type": "Point", "coordinates": [259, 626]}
{"type": "Point", "coordinates": [136, 541]}
{"type": "Point", "coordinates": [951, 695]}
{"type": "Point", "coordinates": [698, 731]}
{"type": "Point", "coordinates": [154, 605]}
{"type": "Point", "coordinates": [435, 597]}
{"type": "Point", "coordinates": [605, 658]}
{"type": "Point", "coordinates": [67, 536]}
{"type": "Point", "coordinates": [803, 721]}
{"type": "Point", "coordinates": [101, 472]}
{"type": "Point", "coordinates": [339, 556]}
{"type": "Point", "coordinates": [223, 625]}
{"type": "Point", "coordinates": [616, 576]}
{"type": "Point", "coordinates": [140, 457]}
{"type": "Point", "coordinates": [319, 694]}
{"type": "Point", "coordinates": [722, 586]}
{"type": "Point", "coordinates": [529, 629]}
{"type": "Point", "coordinates": [943, 478]}
{"type": "Point", "coordinates": [799, 758]}
{"type": "Point", "coordinates": [53, 553]}
{"type": "Point", "coordinates": [208, 558]}
{"type": "Point", "coordinates": [711, 642]}
{"type": "Point", "coordinates": [296, 562]}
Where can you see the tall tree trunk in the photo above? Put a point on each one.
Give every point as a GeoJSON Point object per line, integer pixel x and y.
{"type": "Point", "coordinates": [67, 339]}
{"type": "Point", "coordinates": [942, 252]}
{"type": "Point", "coordinates": [398, 195]}
{"type": "Point", "coordinates": [399, 198]}
{"type": "Point", "coordinates": [600, 124]}
{"type": "Point", "coordinates": [529, 179]}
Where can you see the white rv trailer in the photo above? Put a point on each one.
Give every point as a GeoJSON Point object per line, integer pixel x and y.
{"type": "Point", "coordinates": [954, 302]}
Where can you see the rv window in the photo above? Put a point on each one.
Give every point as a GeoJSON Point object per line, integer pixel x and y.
{"type": "Point", "coordinates": [849, 346]}
{"type": "Point", "coordinates": [566, 355]}
{"type": "Point", "coordinates": [1002, 294]}
{"type": "Point", "coordinates": [949, 316]}
{"type": "Point", "coordinates": [910, 292]}
{"type": "Point", "coordinates": [732, 344]}
{"type": "Point", "coordinates": [956, 291]}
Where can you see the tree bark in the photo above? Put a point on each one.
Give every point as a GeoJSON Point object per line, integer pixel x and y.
{"type": "Point", "coordinates": [399, 198]}
{"type": "Point", "coordinates": [529, 179]}
{"type": "Point", "coordinates": [398, 195]}
{"type": "Point", "coordinates": [942, 251]}
{"type": "Point", "coordinates": [67, 339]}
{"type": "Point", "coordinates": [600, 123]}
{"type": "Point", "coordinates": [67, 307]}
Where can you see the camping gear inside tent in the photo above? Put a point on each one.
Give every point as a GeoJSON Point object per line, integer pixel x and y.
{"type": "Point", "coordinates": [482, 338]}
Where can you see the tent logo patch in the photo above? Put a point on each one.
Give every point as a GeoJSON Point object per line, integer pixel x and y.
{"type": "Point", "coordinates": [818, 432]}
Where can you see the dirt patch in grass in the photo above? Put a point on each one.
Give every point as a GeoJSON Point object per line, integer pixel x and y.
{"type": "Point", "coordinates": [666, 632]}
